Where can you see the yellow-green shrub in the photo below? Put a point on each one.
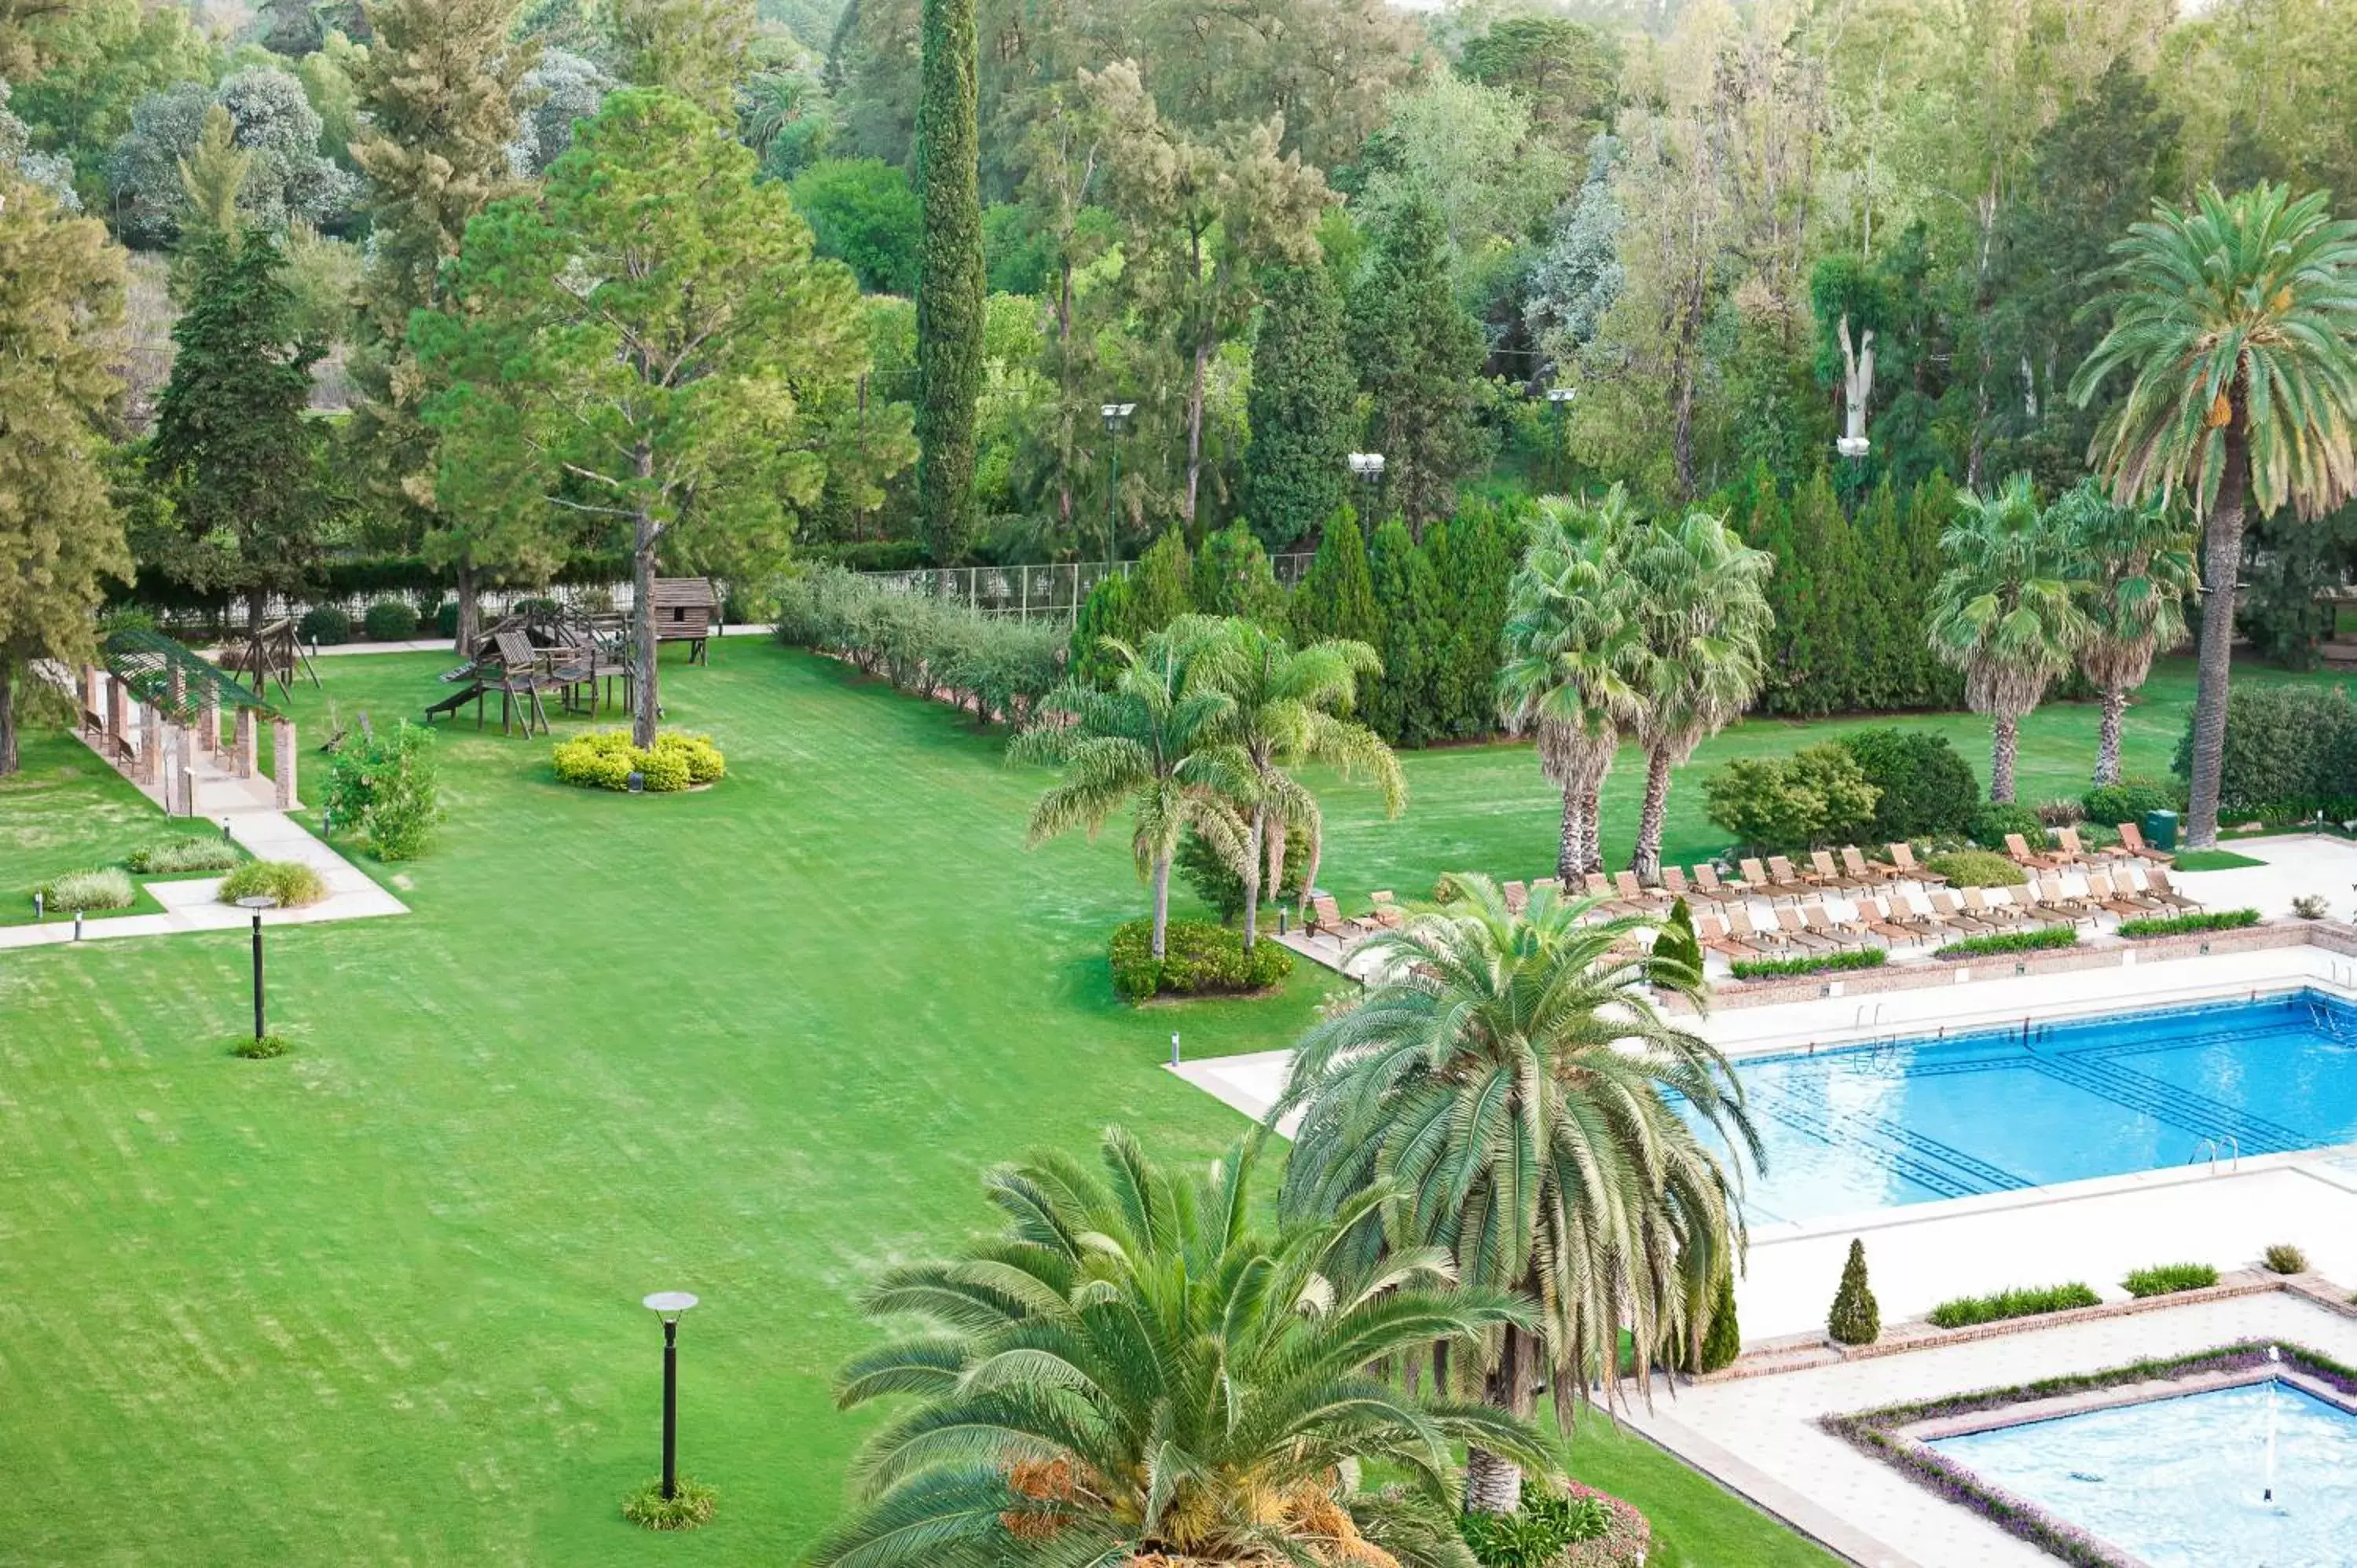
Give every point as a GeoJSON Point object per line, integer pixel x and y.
{"type": "Point", "coordinates": [605, 759]}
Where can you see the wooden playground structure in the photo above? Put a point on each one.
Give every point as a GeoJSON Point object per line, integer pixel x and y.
{"type": "Point", "coordinates": [523, 659]}
{"type": "Point", "coordinates": [271, 651]}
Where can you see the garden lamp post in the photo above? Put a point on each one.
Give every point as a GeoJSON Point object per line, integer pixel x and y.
{"type": "Point", "coordinates": [1116, 420]}
{"type": "Point", "coordinates": [669, 1304]}
{"type": "Point", "coordinates": [255, 904]}
{"type": "Point", "coordinates": [1559, 404]}
{"type": "Point", "coordinates": [1369, 466]}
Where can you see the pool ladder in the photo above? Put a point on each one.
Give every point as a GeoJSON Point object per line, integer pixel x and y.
{"type": "Point", "coordinates": [2225, 1142]}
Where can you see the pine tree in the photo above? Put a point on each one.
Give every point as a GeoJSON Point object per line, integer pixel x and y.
{"type": "Point", "coordinates": [438, 86]}
{"type": "Point", "coordinates": [1109, 611]}
{"type": "Point", "coordinates": [1420, 357]}
{"type": "Point", "coordinates": [1302, 408]}
{"type": "Point", "coordinates": [697, 48]}
{"type": "Point", "coordinates": [1337, 595]}
{"type": "Point", "coordinates": [949, 279]}
{"type": "Point", "coordinates": [59, 536]}
{"type": "Point", "coordinates": [1163, 584]}
{"type": "Point", "coordinates": [1234, 578]}
{"type": "Point", "coordinates": [1401, 704]}
{"type": "Point", "coordinates": [1474, 558]}
{"type": "Point", "coordinates": [1855, 1320]}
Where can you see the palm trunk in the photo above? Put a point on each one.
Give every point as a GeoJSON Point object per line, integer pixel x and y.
{"type": "Point", "coordinates": [2222, 558]}
{"type": "Point", "coordinates": [1566, 849]}
{"type": "Point", "coordinates": [1493, 1484]}
{"type": "Point", "coordinates": [2005, 735]}
{"type": "Point", "coordinates": [1252, 876]}
{"type": "Point", "coordinates": [1591, 846]}
{"type": "Point", "coordinates": [8, 761]}
{"type": "Point", "coordinates": [1647, 862]}
{"type": "Point", "coordinates": [2107, 746]}
{"type": "Point", "coordinates": [1161, 901]}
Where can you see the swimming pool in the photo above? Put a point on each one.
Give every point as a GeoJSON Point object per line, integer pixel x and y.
{"type": "Point", "coordinates": [2003, 1110]}
{"type": "Point", "coordinates": [2180, 1482]}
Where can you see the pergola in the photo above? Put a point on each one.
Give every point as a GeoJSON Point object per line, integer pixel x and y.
{"type": "Point", "coordinates": [179, 699]}
{"type": "Point", "coordinates": [175, 681]}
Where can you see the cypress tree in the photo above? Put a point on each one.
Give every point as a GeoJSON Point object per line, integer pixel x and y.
{"type": "Point", "coordinates": [1677, 942]}
{"type": "Point", "coordinates": [1886, 678]}
{"type": "Point", "coordinates": [1336, 596]}
{"type": "Point", "coordinates": [1929, 509]}
{"type": "Point", "coordinates": [1820, 640]}
{"type": "Point", "coordinates": [1419, 356]}
{"type": "Point", "coordinates": [1856, 1317]}
{"type": "Point", "coordinates": [1162, 587]}
{"type": "Point", "coordinates": [949, 279]}
{"type": "Point", "coordinates": [1722, 1342]}
{"type": "Point", "coordinates": [1233, 577]}
{"type": "Point", "coordinates": [1401, 704]}
{"type": "Point", "coordinates": [1110, 610]}
{"type": "Point", "coordinates": [1474, 558]}
{"type": "Point", "coordinates": [1301, 407]}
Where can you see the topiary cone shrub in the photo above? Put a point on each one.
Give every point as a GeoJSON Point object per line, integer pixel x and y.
{"type": "Point", "coordinates": [1855, 1320]}
{"type": "Point", "coordinates": [1722, 1342]}
{"type": "Point", "coordinates": [1677, 940]}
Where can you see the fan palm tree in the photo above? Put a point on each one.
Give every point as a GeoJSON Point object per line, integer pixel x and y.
{"type": "Point", "coordinates": [1514, 1078]}
{"type": "Point", "coordinates": [2136, 566]}
{"type": "Point", "coordinates": [1284, 701]}
{"type": "Point", "coordinates": [1155, 741]}
{"type": "Point", "coordinates": [1702, 629]}
{"type": "Point", "coordinates": [2006, 612]}
{"type": "Point", "coordinates": [1568, 651]}
{"type": "Point", "coordinates": [2237, 322]}
{"type": "Point", "coordinates": [1132, 1373]}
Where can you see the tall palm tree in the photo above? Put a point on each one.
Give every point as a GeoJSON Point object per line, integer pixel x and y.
{"type": "Point", "coordinates": [1133, 1372]}
{"type": "Point", "coordinates": [2006, 612]}
{"type": "Point", "coordinates": [2237, 322]}
{"type": "Point", "coordinates": [1156, 741]}
{"type": "Point", "coordinates": [1568, 649]}
{"type": "Point", "coordinates": [2136, 567]}
{"type": "Point", "coordinates": [1284, 714]}
{"type": "Point", "coordinates": [1702, 629]}
{"type": "Point", "coordinates": [1515, 1078]}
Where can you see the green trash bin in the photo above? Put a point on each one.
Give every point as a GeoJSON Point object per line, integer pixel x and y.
{"type": "Point", "coordinates": [2161, 830]}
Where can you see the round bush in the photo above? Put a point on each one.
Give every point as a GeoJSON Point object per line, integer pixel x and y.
{"type": "Point", "coordinates": [2112, 804]}
{"type": "Point", "coordinates": [445, 618]}
{"type": "Point", "coordinates": [291, 882]}
{"type": "Point", "coordinates": [183, 854]}
{"type": "Point", "coordinates": [605, 759]}
{"type": "Point", "coordinates": [390, 621]}
{"type": "Point", "coordinates": [104, 887]}
{"type": "Point", "coordinates": [1199, 959]}
{"type": "Point", "coordinates": [325, 623]}
{"type": "Point", "coordinates": [1993, 820]}
{"type": "Point", "coordinates": [1927, 790]}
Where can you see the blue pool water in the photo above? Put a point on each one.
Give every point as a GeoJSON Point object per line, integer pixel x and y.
{"type": "Point", "coordinates": [2179, 1482]}
{"type": "Point", "coordinates": [1912, 1121]}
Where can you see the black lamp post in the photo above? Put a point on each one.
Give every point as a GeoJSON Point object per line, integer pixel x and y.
{"type": "Point", "coordinates": [1559, 402]}
{"type": "Point", "coordinates": [1369, 466]}
{"type": "Point", "coordinates": [257, 903]}
{"type": "Point", "coordinates": [1116, 420]}
{"type": "Point", "coordinates": [669, 1304]}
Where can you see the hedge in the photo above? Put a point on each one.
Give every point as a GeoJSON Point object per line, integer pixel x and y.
{"type": "Point", "coordinates": [922, 643]}
{"type": "Point", "coordinates": [1809, 964]}
{"type": "Point", "coordinates": [1992, 821]}
{"type": "Point", "coordinates": [1199, 959]}
{"type": "Point", "coordinates": [2185, 925]}
{"type": "Point", "coordinates": [1977, 868]}
{"type": "Point", "coordinates": [2168, 1279]}
{"type": "Point", "coordinates": [2038, 940]}
{"type": "Point", "coordinates": [2021, 1301]}
{"type": "Point", "coordinates": [291, 882]}
{"type": "Point", "coordinates": [2290, 752]}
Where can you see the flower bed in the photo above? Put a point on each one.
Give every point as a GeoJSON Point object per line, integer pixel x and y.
{"type": "Point", "coordinates": [2038, 940]}
{"type": "Point", "coordinates": [1877, 1434]}
{"type": "Point", "coordinates": [1809, 963]}
{"type": "Point", "coordinates": [2190, 925]}
{"type": "Point", "coordinates": [2168, 1279]}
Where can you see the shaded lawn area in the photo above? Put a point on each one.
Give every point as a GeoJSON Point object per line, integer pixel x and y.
{"type": "Point", "coordinates": [377, 1301]}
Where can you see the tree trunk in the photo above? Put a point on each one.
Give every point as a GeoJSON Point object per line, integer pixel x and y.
{"type": "Point", "coordinates": [470, 609]}
{"type": "Point", "coordinates": [1567, 848]}
{"type": "Point", "coordinates": [1591, 811]}
{"type": "Point", "coordinates": [257, 601]}
{"type": "Point", "coordinates": [2107, 746]}
{"type": "Point", "coordinates": [1647, 864]}
{"type": "Point", "coordinates": [1161, 901]}
{"type": "Point", "coordinates": [2222, 558]}
{"type": "Point", "coordinates": [1194, 441]}
{"type": "Point", "coordinates": [1252, 876]}
{"type": "Point", "coordinates": [8, 761]}
{"type": "Point", "coordinates": [648, 708]}
{"type": "Point", "coordinates": [1493, 1484]}
{"type": "Point", "coordinates": [2005, 735]}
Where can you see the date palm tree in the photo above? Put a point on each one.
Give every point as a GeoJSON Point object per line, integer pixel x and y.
{"type": "Point", "coordinates": [1568, 648]}
{"type": "Point", "coordinates": [1133, 1371]}
{"type": "Point", "coordinates": [2235, 321]}
{"type": "Point", "coordinates": [1701, 628]}
{"type": "Point", "coordinates": [2136, 564]}
{"type": "Point", "coordinates": [1155, 741]}
{"type": "Point", "coordinates": [1515, 1078]}
{"type": "Point", "coordinates": [2006, 612]}
{"type": "Point", "coordinates": [1285, 712]}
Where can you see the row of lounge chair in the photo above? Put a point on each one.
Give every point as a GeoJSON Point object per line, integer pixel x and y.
{"type": "Point", "coordinates": [1944, 916]}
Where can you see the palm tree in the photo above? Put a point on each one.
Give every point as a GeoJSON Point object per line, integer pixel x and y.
{"type": "Point", "coordinates": [2234, 321]}
{"type": "Point", "coordinates": [1156, 742]}
{"type": "Point", "coordinates": [1284, 713]}
{"type": "Point", "coordinates": [1133, 1372]}
{"type": "Point", "coordinates": [2005, 613]}
{"type": "Point", "coordinates": [2136, 566]}
{"type": "Point", "coordinates": [1567, 652]}
{"type": "Point", "coordinates": [1513, 1076]}
{"type": "Point", "coordinates": [1701, 628]}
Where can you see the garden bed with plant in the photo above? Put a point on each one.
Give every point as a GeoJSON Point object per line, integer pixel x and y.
{"type": "Point", "coordinates": [605, 759]}
{"type": "Point", "coordinates": [1578, 1527]}
{"type": "Point", "coordinates": [1799, 964]}
{"type": "Point", "coordinates": [2043, 939]}
{"type": "Point", "coordinates": [2028, 1301]}
{"type": "Point", "coordinates": [1199, 959]}
{"type": "Point", "coordinates": [2190, 925]}
{"type": "Point", "coordinates": [102, 891]}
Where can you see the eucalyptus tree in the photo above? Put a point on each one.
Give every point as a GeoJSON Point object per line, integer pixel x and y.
{"type": "Point", "coordinates": [1133, 1371]}
{"type": "Point", "coordinates": [1550, 1130]}
{"type": "Point", "coordinates": [1569, 649]}
{"type": "Point", "coordinates": [1702, 629]}
{"type": "Point", "coordinates": [2235, 321]}
{"type": "Point", "coordinates": [2006, 612]}
{"type": "Point", "coordinates": [2135, 566]}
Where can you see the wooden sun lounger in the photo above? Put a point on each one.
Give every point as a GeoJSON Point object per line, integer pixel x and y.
{"type": "Point", "coordinates": [2020, 849]}
{"type": "Point", "coordinates": [1902, 856]}
{"type": "Point", "coordinates": [1707, 883]}
{"type": "Point", "coordinates": [2104, 895]}
{"type": "Point", "coordinates": [1793, 929]}
{"type": "Point", "coordinates": [2156, 885]}
{"type": "Point", "coordinates": [1850, 933]}
{"type": "Point", "coordinates": [1778, 880]}
{"type": "Point", "coordinates": [2077, 910]}
{"type": "Point", "coordinates": [2132, 843]}
{"type": "Point", "coordinates": [1674, 884]}
{"type": "Point", "coordinates": [2069, 839]}
{"type": "Point", "coordinates": [1711, 932]}
{"type": "Point", "coordinates": [1864, 871]}
{"type": "Point", "coordinates": [1967, 911]}
{"type": "Point", "coordinates": [1593, 885]}
{"type": "Point", "coordinates": [1387, 913]}
{"type": "Point", "coordinates": [1876, 916]}
{"type": "Point", "coordinates": [1824, 873]}
{"type": "Point", "coordinates": [1740, 929]}
{"type": "Point", "coordinates": [1517, 897]}
{"type": "Point", "coordinates": [1635, 893]}
{"type": "Point", "coordinates": [1327, 916]}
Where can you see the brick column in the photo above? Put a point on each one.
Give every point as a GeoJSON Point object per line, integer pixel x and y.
{"type": "Point", "coordinates": [93, 688]}
{"type": "Point", "coordinates": [118, 715]}
{"type": "Point", "coordinates": [179, 689]}
{"type": "Point", "coordinates": [281, 757]}
{"type": "Point", "coordinates": [177, 757]}
{"type": "Point", "coordinates": [150, 763]}
{"type": "Point", "coordinates": [243, 758]}
{"type": "Point", "coordinates": [208, 723]}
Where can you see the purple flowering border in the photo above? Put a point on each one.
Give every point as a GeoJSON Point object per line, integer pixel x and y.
{"type": "Point", "coordinates": [1875, 1432]}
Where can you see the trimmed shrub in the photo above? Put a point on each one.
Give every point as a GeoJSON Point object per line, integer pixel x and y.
{"type": "Point", "coordinates": [1199, 959]}
{"type": "Point", "coordinates": [1576, 1528]}
{"type": "Point", "coordinates": [1992, 821]}
{"type": "Point", "coordinates": [996, 665]}
{"type": "Point", "coordinates": [325, 625]}
{"type": "Point", "coordinates": [1855, 1320]}
{"type": "Point", "coordinates": [2284, 1259]}
{"type": "Point", "coordinates": [183, 855]}
{"type": "Point", "coordinates": [1722, 1342]}
{"type": "Point", "coordinates": [446, 618]}
{"type": "Point", "coordinates": [101, 887]}
{"type": "Point", "coordinates": [2168, 1279]}
{"type": "Point", "coordinates": [2187, 925]}
{"type": "Point", "coordinates": [2290, 752]}
{"type": "Point", "coordinates": [1977, 868]}
{"type": "Point", "coordinates": [389, 620]}
{"type": "Point", "coordinates": [1927, 790]}
{"type": "Point", "coordinates": [1815, 796]}
{"type": "Point", "coordinates": [2021, 1301]}
{"type": "Point", "coordinates": [1215, 882]}
{"type": "Point", "coordinates": [2039, 940]}
{"type": "Point", "coordinates": [605, 759]}
{"type": "Point", "coordinates": [2112, 804]}
{"type": "Point", "coordinates": [1809, 964]}
{"type": "Point", "coordinates": [384, 787]}
{"type": "Point", "coordinates": [1677, 941]}
{"type": "Point", "coordinates": [291, 882]}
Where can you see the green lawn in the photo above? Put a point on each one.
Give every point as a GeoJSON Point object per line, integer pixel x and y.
{"type": "Point", "coordinates": [377, 1301]}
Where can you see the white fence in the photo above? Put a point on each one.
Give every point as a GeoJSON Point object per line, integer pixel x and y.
{"type": "Point", "coordinates": [1051, 592]}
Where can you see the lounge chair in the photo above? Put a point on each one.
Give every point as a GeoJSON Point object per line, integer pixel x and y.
{"type": "Point", "coordinates": [1850, 933]}
{"type": "Point", "coordinates": [1517, 897]}
{"type": "Point", "coordinates": [1674, 884]}
{"type": "Point", "coordinates": [2132, 844]}
{"type": "Point", "coordinates": [2104, 895]}
{"type": "Point", "coordinates": [1634, 893]}
{"type": "Point", "coordinates": [1781, 881]}
{"type": "Point", "coordinates": [1740, 929]}
{"type": "Point", "coordinates": [1949, 914]}
{"type": "Point", "coordinates": [1608, 903]}
{"type": "Point", "coordinates": [1711, 932]}
{"type": "Point", "coordinates": [2156, 885]}
{"type": "Point", "coordinates": [1867, 873]}
{"type": "Point", "coordinates": [2079, 908]}
{"type": "Point", "coordinates": [1707, 883]}
{"type": "Point", "coordinates": [1795, 931]}
{"type": "Point", "coordinates": [1824, 873]}
{"type": "Point", "coordinates": [2069, 839]}
{"type": "Point", "coordinates": [1876, 916]}
{"type": "Point", "coordinates": [1902, 856]}
{"type": "Point", "coordinates": [1387, 913]}
{"type": "Point", "coordinates": [1978, 906]}
{"type": "Point", "coordinates": [1327, 916]}
{"type": "Point", "coordinates": [2019, 851]}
